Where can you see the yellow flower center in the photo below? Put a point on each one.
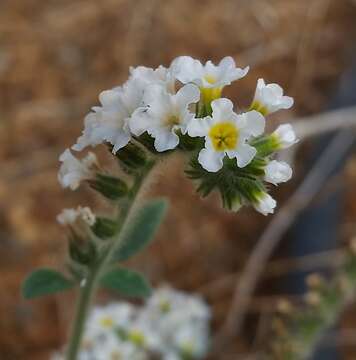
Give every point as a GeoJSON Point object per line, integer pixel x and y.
{"type": "Point", "coordinates": [106, 322]}
{"type": "Point", "coordinates": [256, 105]}
{"type": "Point", "coordinates": [224, 136]}
{"type": "Point", "coordinates": [172, 120]}
{"type": "Point", "coordinates": [137, 338]}
{"type": "Point", "coordinates": [210, 79]}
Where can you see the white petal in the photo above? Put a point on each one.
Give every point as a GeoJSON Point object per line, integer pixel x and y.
{"type": "Point", "coordinates": [139, 121]}
{"type": "Point", "coordinates": [199, 127]}
{"type": "Point", "coordinates": [265, 204]}
{"type": "Point", "coordinates": [222, 109]}
{"type": "Point", "coordinates": [211, 160]}
{"type": "Point", "coordinates": [244, 154]}
{"type": "Point", "coordinates": [255, 123]}
{"type": "Point", "coordinates": [165, 140]}
{"type": "Point", "coordinates": [109, 98]}
{"type": "Point", "coordinates": [277, 172]}
{"type": "Point", "coordinates": [186, 95]}
{"type": "Point", "coordinates": [285, 136]}
{"type": "Point", "coordinates": [121, 140]}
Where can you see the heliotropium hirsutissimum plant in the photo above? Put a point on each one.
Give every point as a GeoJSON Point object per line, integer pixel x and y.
{"type": "Point", "coordinates": [156, 112]}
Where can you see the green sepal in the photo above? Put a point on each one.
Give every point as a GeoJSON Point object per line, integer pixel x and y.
{"type": "Point", "coordinates": [237, 186]}
{"type": "Point", "coordinates": [265, 145]}
{"type": "Point", "coordinates": [141, 230]}
{"type": "Point", "coordinates": [131, 158]}
{"type": "Point", "coordinates": [105, 228]}
{"type": "Point", "coordinates": [111, 187]}
{"type": "Point", "coordinates": [42, 282]}
{"type": "Point", "coordinates": [82, 252]}
{"type": "Point", "coordinates": [126, 282]}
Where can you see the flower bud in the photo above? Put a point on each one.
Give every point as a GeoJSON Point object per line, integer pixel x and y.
{"type": "Point", "coordinates": [104, 228]}
{"type": "Point", "coordinates": [277, 172]}
{"type": "Point", "coordinates": [131, 157]}
{"type": "Point", "coordinates": [284, 136]}
{"type": "Point", "coordinates": [111, 187]}
{"type": "Point", "coordinates": [269, 98]}
{"type": "Point", "coordinates": [81, 252]}
{"type": "Point", "coordinates": [264, 203]}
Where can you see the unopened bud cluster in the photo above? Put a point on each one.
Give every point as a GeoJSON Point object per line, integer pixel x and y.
{"type": "Point", "coordinates": [157, 111]}
{"type": "Point", "coordinates": [170, 326]}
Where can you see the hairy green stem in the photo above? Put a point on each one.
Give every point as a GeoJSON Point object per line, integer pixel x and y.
{"type": "Point", "coordinates": [88, 289]}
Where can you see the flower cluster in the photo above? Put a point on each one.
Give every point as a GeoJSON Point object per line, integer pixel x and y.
{"type": "Point", "coordinates": [181, 107]}
{"type": "Point", "coordinates": [170, 326]}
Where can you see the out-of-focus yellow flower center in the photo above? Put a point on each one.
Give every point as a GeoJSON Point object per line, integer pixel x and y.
{"type": "Point", "coordinates": [106, 322]}
{"type": "Point", "coordinates": [137, 338]}
{"type": "Point", "coordinates": [224, 136]}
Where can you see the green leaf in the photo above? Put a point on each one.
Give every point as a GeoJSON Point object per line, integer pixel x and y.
{"type": "Point", "coordinates": [126, 282]}
{"type": "Point", "coordinates": [43, 282]}
{"type": "Point", "coordinates": [142, 229]}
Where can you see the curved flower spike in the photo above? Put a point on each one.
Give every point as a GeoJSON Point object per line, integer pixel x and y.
{"type": "Point", "coordinates": [226, 133]}
{"type": "Point", "coordinates": [164, 114]}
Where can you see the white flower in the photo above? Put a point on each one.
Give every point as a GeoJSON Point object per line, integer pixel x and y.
{"type": "Point", "coordinates": [284, 136]}
{"type": "Point", "coordinates": [165, 114]}
{"type": "Point", "coordinates": [70, 216]}
{"type": "Point", "coordinates": [226, 133]}
{"type": "Point", "coordinates": [73, 171]}
{"type": "Point", "coordinates": [147, 76]}
{"type": "Point", "coordinates": [192, 340]}
{"type": "Point", "coordinates": [188, 70]}
{"type": "Point", "coordinates": [265, 204]}
{"type": "Point", "coordinates": [110, 121]}
{"type": "Point", "coordinates": [277, 172]}
{"type": "Point", "coordinates": [269, 98]}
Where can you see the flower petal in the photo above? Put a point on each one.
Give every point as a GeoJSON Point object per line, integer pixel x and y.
{"type": "Point", "coordinates": [199, 127]}
{"type": "Point", "coordinates": [255, 123]}
{"type": "Point", "coordinates": [244, 154]}
{"type": "Point", "coordinates": [211, 160]}
{"type": "Point", "coordinates": [165, 140]}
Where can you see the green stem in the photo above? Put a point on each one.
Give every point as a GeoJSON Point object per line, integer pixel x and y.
{"type": "Point", "coordinates": [87, 291]}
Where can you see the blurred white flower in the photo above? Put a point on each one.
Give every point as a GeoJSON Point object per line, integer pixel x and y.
{"type": "Point", "coordinates": [277, 172]}
{"type": "Point", "coordinates": [72, 171]}
{"type": "Point", "coordinates": [269, 98]}
{"type": "Point", "coordinates": [70, 216]}
{"type": "Point", "coordinates": [265, 204]}
{"type": "Point", "coordinates": [284, 136]}
{"type": "Point", "coordinates": [165, 114]}
{"type": "Point", "coordinates": [226, 133]}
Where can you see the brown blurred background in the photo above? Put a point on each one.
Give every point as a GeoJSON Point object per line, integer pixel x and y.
{"type": "Point", "coordinates": [56, 56]}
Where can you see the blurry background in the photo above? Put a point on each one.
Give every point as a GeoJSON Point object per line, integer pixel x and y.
{"type": "Point", "coordinates": [55, 58]}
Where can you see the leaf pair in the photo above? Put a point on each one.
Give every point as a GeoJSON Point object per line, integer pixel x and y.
{"type": "Point", "coordinates": [139, 234]}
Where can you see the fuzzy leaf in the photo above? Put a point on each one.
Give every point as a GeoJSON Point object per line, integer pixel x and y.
{"type": "Point", "coordinates": [43, 282]}
{"type": "Point", "coordinates": [142, 230]}
{"type": "Point", "coordinates": [126, 282]}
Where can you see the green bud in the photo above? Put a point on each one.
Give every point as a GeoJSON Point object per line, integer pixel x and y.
{"type": "Point", "coordinates": [82, 252]}
{"type": "Point", "coordinates": [104, 228]}
{"type": "Point", "coordinates": [265, 145]}
{"type": "Point", "coordinates": [131, 157]}
{"type": "Point", "coordinates": [111, 187]}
